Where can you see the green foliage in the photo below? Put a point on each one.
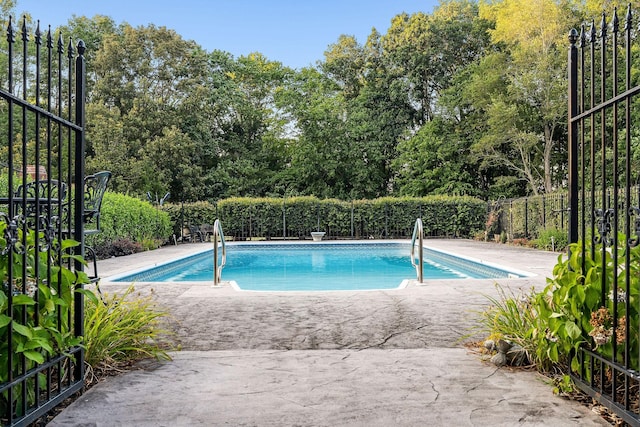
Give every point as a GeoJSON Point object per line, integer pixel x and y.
{"type": "Point", "coordinates": [552, 239]}
{"type": "Point", "coordinates": [190, 213]}
{"type": "Point", "coordinates": [510, 317]}
{"type": "Point", "coordinates": [449, 102]}
{"type": "Point", "coordinates": [570, 311]}
{"type": "Point", "coordinates": [574, 296]}
{"type": "Point", "coordinates": [379, 218]}
{"type": "Point", "coordinates": [125, 217]}
{"type": "Point", "coordinates": [430, 162]}
{"type": "Point", "coordinates": [563, 385]}
{"type": "Point", "coordinates": [122, 329]}
{"type": "Point", "coordinates": [41, 302]}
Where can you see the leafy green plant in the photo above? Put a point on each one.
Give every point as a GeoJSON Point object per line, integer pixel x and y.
{"type": "Point", "coordinates": [563, 385]}
{"type": "Point", "coordinates": [566, 305]}
{"type": "Point", "coordinates": [122, 329]}
{"type": "Point", "coordinates": [118, 247]}
{"type": "Point", "coordinates": [35, 306]}
{"type": "Point", "coordinates": [127, 218]}
{"type": "Point", "coordinates": [550, 325]}
{"type": "Point", "coordinates": [570, 312]}
{"type": "Point", "coordinates": [552, 239]}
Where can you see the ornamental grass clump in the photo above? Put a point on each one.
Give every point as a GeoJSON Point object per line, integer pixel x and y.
{"type": "Point", "coordinates": [511, 318]}
{"type": "Point", "coordinates": [121, 329]}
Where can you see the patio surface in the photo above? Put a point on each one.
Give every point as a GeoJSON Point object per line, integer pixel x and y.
{"type": "Point", "coordinates": [361, 358]}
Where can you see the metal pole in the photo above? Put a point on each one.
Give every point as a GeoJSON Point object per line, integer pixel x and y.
{"type": "Point", "coordinates": [352, 225]}
{"type": "Point", "coordinates": [526, 217]}
{"type": "Point", "coordinates": [79, 201]}
{"type": "Point", "coordinates": [573, 137]}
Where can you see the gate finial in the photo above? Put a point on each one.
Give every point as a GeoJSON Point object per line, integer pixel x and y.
{"type": "Point", "coordinates": [25, 33]}
{"type": "Point", "coordinates": [70, 49]}
{"type": "Point", "coordinates": [11, 36]}
{"type": "Point", "coordinates": [81, 47]}
{"type": "Point", "coordinates": [603, 26]}
{"type": "Point", "coordinates": [628, 18]}
{"type": "Point", "coordinates": [38, 38]}
{"type": "Point", "coordinates": [573, 36]}
{"type": "Point", "coordinates": [49, 39]}
{"type": "Point", "coordinates": [60, 44]}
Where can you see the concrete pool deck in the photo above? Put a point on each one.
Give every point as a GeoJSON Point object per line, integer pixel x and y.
{"type": "Point", "coordinates": [345, 358]}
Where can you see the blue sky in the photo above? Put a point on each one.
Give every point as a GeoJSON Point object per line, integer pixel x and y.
{"type": "Point", "coordinates": [294, 32]}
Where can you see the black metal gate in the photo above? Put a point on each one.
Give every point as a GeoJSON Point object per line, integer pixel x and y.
{"type": "Point", "coordinates": [42, 93]}
{"type": "Point", "coordinates": [605, 208]}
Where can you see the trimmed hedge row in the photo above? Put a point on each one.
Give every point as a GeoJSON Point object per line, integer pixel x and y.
{"type": "Point", "coordinates": [297, 217]}
{"type": "Point", "coordinates": [186, 214]}
{"type": "Point", "coordinates": [128, 218]}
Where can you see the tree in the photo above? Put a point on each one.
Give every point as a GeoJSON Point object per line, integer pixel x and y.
{"type": "Point", "coordinates": [250, 130]}
{"type": "Point", "coordinates": [435, 161]}
{"type": "Point", "coordinates": [143, 77]}
{"type": "Point", "coordinates": [344, 62]}
{"type": "Point", "coordinates": [321, 155]}
{"type": "Point", "coordinates": [377, 120]}
{"type": "Point", "coordinates": [534, 31]}
{"type": "Point", "coordinates": [430, 49]}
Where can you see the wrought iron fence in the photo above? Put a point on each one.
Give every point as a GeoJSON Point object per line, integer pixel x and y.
{"type": "Point", "coordinates": [604, 209]}
{"type": "Point", "coordinates": [526, 217]}
{"type": "Point", "coordinates": [42, 94]}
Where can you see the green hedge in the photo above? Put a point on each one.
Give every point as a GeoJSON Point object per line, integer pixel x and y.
{"type": "Point", "coordinates": [130, 219]}
{"type": "Point", "coordinates": [185, 214]}
{"type": "Point", "coordinates": [127, 218]}
{"type": "Point", "coordinates": [379, 218]}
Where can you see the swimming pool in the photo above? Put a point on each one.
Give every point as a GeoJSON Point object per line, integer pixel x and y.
{"type": "Point", "coordinates": [317, 266]}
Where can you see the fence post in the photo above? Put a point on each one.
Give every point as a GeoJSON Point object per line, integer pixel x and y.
{"type": "Point", "coordinates": [526, 217]}
{"type": "Point", "coordinates": [573, 136]}
{"type": "Point", "coordinates": [352, 225]}
{"type": "Point", "coordinates": [79, 201]}
{"type": "Point", "coordinates": [544, 212]}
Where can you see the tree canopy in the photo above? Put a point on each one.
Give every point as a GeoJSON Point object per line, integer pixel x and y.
{"type": "Point", "coordinates": [468, 100]}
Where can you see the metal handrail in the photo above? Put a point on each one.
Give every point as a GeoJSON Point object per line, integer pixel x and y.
{"type": "Point", "coordinates": [217, 269]}
{"type": "Point", "coordinates": [418, 232]}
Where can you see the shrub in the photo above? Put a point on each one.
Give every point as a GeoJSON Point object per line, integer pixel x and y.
{"type": "Point", "coordinates": [118, 247]}
{"type": "Point", "coordinates": [552, 239]}
{"type": "Point", "coordinates": [192, 213]}
{"type": "Point", "coordinates": [124, 218]}
{"type": "Point", "coordinates": [510, 317]}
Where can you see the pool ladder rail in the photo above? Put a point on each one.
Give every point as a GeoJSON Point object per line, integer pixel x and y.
{"type": "Point", "coordinates": [217, 269]}
{"type": "Point", "coordinates": [418, 233]}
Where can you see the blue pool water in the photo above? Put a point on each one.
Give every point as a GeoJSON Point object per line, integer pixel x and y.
{"type": "Point", "coordinates": [325, 266]}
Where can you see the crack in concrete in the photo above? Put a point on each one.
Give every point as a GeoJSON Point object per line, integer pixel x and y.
{"type": "Point", "coordinates": [392, 335]}
{"type": "Point", "coordinates": [343, 378]}
{"type": "Point", "coordinates": [475, 387]}
{"type": "Point", "coordinates": [433, 387]}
